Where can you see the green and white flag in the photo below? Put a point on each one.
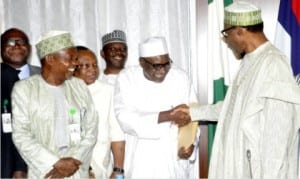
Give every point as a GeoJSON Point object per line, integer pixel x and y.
{"type": "Point", "coordinates": [221, 62]}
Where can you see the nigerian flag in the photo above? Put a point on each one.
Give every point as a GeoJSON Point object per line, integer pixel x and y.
{"type": "Point", "coordinates": [219, 60]}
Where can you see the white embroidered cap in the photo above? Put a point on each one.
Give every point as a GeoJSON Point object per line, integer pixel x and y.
{"type": "Point", "coordinates": [153, 46]}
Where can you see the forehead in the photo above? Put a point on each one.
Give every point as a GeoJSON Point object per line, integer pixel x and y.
{"type": "Point", "coordinates": [227, 26]}
{"type": "Point", "coordinates": [86, 56]}
{"type": "Point", "coordinates": [14, 34]}
{"type": "Point", "coordinates": [159, 58]}
{"type": "Point", "coordinates": [67, 51]}
{"type": "Point", "coordinates": [116, 45]}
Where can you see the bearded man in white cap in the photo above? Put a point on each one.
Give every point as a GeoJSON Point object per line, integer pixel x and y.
{"type": "Point", "coordinates": [258, 122]}
{"type": "Point", "coordinates": [145, 99]}
{"type": "Point", "coordinates": [54, 120]}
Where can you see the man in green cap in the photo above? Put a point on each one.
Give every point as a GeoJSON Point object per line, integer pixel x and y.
{"type": "Point", "coordinates": [258, 122]}
{"type": "Point", "coordinates": [54, 120]}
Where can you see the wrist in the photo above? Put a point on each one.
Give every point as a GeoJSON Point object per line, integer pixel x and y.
{"type": "Point", "coordinates": [118, 170]}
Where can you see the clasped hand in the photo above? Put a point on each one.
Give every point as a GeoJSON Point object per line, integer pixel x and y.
{"type": "Point", "coordinates": [180, 115]}
{"type": "Point", "coordinates": [65, 167]}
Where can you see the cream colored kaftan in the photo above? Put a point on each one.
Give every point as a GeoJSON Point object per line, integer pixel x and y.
{"type": "Point", "coordinates": [257, 131]}
{"type": "Point", "coordinates": [34, 118]}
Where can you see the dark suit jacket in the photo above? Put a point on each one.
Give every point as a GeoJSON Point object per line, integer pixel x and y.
{"type": "Point", "coordinates": [10, 158]}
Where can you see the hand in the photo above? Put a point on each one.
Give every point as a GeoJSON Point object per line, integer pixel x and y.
{"type": "Point", "coordinates": [19, 174]}
{"type": "Point", "coordinates": [91, 174]}
{"type": "Point", "coordinates": [182, 119]}
{"type": "Point", "coordinates": [185, 153]}
{"type": "Point", "coordinates": [178, 115]}
{"type": "Point", "coordinates": [181, 115]}
{"type": "Point", "coordinates": [113, 174]}
{"type": "Point", "coordinates": [67, 166]}
{"type": "Point", "coordinates": [54, 174]}
{"type": "Point", "coordinates": [182, 107]}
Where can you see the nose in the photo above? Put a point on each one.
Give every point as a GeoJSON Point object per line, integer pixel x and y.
{"type": "Point", "coordinates": [161, 69]}
{"type": "Point", "coordinates": [119, 52]}
{"type": "Point", "coordinates": [93, 68]}
{"type": "Point", "coordinates": [17, 45]}
{"type": "Point", "coordinates": [224, 39]}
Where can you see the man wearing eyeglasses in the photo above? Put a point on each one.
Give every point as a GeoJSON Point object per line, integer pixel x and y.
{"type": "Point", "coordinates": [258, 122]}
{"type": "Point", "coordinates": [15, 52]}
{"type": "Point", "coordinates": [145, 99]}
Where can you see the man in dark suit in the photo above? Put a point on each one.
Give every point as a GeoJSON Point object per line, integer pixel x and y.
{"type": "Point", "coordinates": [15, 51]}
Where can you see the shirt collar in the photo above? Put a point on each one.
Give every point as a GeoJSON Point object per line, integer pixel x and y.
{"type": "Point", "coordinates": [24, 71]}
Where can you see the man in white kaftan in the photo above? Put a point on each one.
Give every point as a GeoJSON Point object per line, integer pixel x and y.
{"type": "Point", "coordinates": [110, 135]}
{"type": "Point", "coordinates": [257, 131]}
{"type": "Point", "coordinates": [142, 94]}
{"type": "Point", "coordinates": [108, 78]}
{"type": "Point", "coordinates": [54, 120]}
{"type": "Point", "coordinates": [114, 52]}
{"type": "Point", "coordinates": [109, 130]}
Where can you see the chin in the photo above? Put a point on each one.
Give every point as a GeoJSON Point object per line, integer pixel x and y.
{"type": "Point", "coordinates": [159, 80]}
{"type": "Point", "coordinates": [69, 76]}
{"type": "Point", "coordinates": [88, 82]}
{"type": "Point", "coordinates": [238, 56]}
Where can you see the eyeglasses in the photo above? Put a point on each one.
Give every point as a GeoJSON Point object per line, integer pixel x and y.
{"type": "Point", "coordinates": [158, 66]}
{"type": "Point", "coordinates": [224, 31]}
{"type": "Point", "coordinates": [14, 42]}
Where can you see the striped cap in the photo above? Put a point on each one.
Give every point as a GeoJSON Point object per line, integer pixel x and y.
{"type": "Point", "coordinates": [53, 41]}
{"type": "Point", "coordinates": [242, 13]}
{"type": "Point", "coordinates": [112, 37]}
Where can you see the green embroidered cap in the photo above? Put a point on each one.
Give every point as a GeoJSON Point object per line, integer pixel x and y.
{"type": "Point", "coordinates": [53, 41]}
{"type": "Point", "coordinates": [242, 14]}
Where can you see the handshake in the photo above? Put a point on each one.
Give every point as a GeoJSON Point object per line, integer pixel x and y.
{"type": "Point", "coordinates": [187, 129]}
{"type": "Point", "coordinates": [180, 115]}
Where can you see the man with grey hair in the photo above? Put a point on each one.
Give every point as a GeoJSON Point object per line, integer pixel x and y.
{"type": "Point", "coordinates": [145, 99]}
{"type": "Point", "coordinates": [54, 120]}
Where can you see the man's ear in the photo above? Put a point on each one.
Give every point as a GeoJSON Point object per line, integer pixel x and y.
{"type": "Point", "coordinates": [49, 59]}
{"type": "Point", "coordinates": [241, 31]}
{"type": "Point", "coordinates": [102, 54]}
{"type": "Point", "coordinates": [141, 61]}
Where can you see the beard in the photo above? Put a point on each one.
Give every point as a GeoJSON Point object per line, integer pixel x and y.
{"type": "Point", "coordinates": [242, 55]}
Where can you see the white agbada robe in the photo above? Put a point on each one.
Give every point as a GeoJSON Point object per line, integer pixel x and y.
{"type": "Point", "coordinates": [151, 148]}
{"type": "Point", "coordinates": [108, 78]}
{"type": "Point", "coordinates": [108, 127]}
{"type": "Point", "coordinates": [34, 125]}
{"type": "Point", "coordinates": [257, 131]}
